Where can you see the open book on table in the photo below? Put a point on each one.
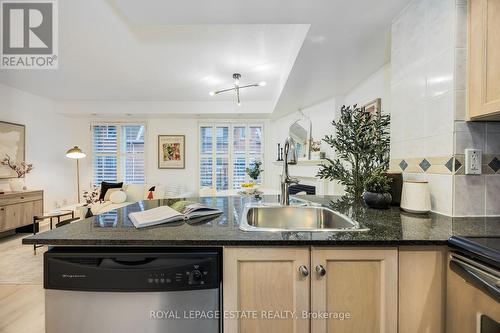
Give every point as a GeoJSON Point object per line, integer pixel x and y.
{"type": "Point", "coordinates": [179, 211]}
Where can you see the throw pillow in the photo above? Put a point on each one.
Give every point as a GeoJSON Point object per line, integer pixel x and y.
{"type": "Point", "coordinates": [118, 197]}
{"type": "Point", "coordinates": [107, 196]}
{"type": "Point", "coordinates": [105, 186]}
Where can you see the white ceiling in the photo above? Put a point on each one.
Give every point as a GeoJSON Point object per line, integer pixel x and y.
{"type": "Point", "coordinates": [171, 51]}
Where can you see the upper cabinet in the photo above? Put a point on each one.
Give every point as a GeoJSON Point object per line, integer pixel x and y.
{"type": "Point", "coordinates": [484, 60]}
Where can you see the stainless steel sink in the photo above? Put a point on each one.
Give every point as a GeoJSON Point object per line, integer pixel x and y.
{"type": "Point", "coordinates": [295, 218]}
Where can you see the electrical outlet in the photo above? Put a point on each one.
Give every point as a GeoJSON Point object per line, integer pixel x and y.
{"type": "Point", "coordinates": [473, 161]}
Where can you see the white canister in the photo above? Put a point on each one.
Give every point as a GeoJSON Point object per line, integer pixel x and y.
{"type": "Point", "coordinates": [416, 197]}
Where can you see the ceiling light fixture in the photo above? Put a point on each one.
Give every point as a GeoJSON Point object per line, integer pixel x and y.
{"type": "Point", "coordinates": [237, 87]}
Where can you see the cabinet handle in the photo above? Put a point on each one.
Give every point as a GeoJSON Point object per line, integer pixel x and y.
{"type": "Point", "coordinates": [320, 270]}
{"type": "Point", "coordinates": [22, 197]}
{"type": "Point", "coordinates": [303, 270]}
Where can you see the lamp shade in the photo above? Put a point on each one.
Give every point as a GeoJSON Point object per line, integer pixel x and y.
{"type": "Point", "coordinates": [75, 152]}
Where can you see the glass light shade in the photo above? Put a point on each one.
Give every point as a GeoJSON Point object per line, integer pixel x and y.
{"type": "Point", "coordinates": [75, 152]}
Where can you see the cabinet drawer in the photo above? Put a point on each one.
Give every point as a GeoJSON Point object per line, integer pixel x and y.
{"type": "Point", "coordinates": [10, 199]}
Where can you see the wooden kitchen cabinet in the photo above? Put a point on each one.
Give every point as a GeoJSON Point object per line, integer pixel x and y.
{"type": "Point", "coordinates": [360, 281]}
{"type": "Point", "coordinates": [484, 60]}
{"type": "Point", "coordinates": [263, 281]}
{"type": "Point", "coordinates": [422, 289]}
{"type": "Point", "coordinates": [18, 208]}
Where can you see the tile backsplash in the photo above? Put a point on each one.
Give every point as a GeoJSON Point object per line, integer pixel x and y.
{"type": "Point", "coordinates": [429, 132]}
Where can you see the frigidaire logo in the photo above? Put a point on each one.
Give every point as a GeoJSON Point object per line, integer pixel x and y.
{"type": "Point", "coordinates": [73, 276]}
{"type": "Point", "coordinates": [29, 34]}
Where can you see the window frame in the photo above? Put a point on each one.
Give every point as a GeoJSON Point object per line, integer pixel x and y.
{"type": "Point", "coordinates": [121, 154]}
{"type": "Point", "coordinates": [231, 124]}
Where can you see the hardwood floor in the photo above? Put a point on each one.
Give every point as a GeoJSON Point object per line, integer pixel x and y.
{"type": "Point", "coordinates": [22, 307]}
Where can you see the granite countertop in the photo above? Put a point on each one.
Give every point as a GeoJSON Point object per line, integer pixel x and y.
{"type": "Point", "coordinates": [387, 227]}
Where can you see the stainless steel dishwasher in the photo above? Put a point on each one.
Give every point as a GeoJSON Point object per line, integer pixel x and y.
{"type": "Point", "coordinates": [132, 290]}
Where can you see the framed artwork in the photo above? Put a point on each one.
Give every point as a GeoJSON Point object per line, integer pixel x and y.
{"type": "Point", "coordinates": [171, 152]}
{"type": "Point", "coordinates": [12, 143]}
{"type": "Point", "coordinates": [374, 106]}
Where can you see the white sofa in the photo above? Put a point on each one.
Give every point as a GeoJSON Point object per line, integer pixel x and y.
{"type": "Point", "coordinates": [139, 192]}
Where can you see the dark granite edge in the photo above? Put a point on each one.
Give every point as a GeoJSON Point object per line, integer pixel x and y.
{"type": "Point", "coordinates": [138, 242]}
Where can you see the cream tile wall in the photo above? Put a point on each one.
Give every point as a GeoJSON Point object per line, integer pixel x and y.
{"type": "Point", "coordinates": [428, 92]}
{"type": "Point", "coordinates": [423, 93]}
{"type": "Point", "coordinates": [472, 195]}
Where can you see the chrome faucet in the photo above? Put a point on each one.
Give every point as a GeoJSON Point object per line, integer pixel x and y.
{"type": "Point", "coordinates": [286, 180]}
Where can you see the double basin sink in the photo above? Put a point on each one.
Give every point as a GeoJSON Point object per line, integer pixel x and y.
{"type": "Point", "coordinates": [301, 217]}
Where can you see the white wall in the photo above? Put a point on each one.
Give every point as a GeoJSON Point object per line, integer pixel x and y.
{"type": "Point", "coordinates": [377, 85]}
{"type": "Point", "coordinates": [48, 137]}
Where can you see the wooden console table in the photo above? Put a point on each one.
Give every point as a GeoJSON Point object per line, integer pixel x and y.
{"type": "Point", "coordinates": [17, 209]}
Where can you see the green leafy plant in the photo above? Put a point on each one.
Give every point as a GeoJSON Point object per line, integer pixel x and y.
{"type": "Point", "coordinates": [361, 143]}
{"type": "Point", "coordinates": [255, 170]}
{"type": "Point", "coordinates": [378, 183]}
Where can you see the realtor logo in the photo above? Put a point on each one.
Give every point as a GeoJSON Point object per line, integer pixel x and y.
{"type": "Point", "coordinates": [29, 35]}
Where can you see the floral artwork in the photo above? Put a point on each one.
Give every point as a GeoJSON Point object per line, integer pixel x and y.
{"type": "Point", "coordinates": [12, 142]}
{"type": "Point", "coordinates": [20, 168]}
{"type": "Point", "coordinates": [171, 152]}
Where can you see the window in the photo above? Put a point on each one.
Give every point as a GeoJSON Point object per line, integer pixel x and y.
{"type": "Point", "coordinates": [118, 153]}
{"type": "Point", "coordinates": [226, 150]}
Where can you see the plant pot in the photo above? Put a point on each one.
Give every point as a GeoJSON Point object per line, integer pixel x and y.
{"type": "Point", "coordinates": [377, 200]}
{"type": "Point", "coordinates": [16, 184]}
{"type": "Point", "coordinates": [315, 155]}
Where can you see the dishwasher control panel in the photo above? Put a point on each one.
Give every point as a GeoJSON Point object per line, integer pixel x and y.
{"type": "Point", "coordinates": [196, 274]}
{"type": "Point", "coordinates": [132, 271]}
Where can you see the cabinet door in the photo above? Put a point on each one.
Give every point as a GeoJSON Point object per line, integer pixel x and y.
{"type": "Point", "coordinates": [264, 282]}
{"type": "Point", "coordinates": [30, 209]}
{"type": "Point", "coordinates": [13, 217]}
{"type": "Point", "coordinates": [422, 289]}
{"type": "Point", "coordinates": [3, 219]}
{"type": "Point", "coordinates": [359, 283]}
{"type": "Point", "coordinates": [484, 59]}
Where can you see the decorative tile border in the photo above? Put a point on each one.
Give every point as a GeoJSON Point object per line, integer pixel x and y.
{"type": "Point", "coordinates": [444, 165]}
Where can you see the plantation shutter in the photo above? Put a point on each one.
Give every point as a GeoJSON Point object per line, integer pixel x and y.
{"type": "Point", "coordinates": [118, 153]}
{"type": "Point", "coordinates": [105, 154]}
{"type": "Point", "coordinates": [133, 151]}
{"type": "Point", "coordinates": [226, 150]}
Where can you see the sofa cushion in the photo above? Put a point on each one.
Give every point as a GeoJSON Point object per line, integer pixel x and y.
{"type": "Point", "coordinates": [105, 186]}
{"type": "Point", "coordinates": [134, 192]}
{"type": "Point", "coordinates": [110, 191]}
{"type": "Point", "coordinates": [118, 197]}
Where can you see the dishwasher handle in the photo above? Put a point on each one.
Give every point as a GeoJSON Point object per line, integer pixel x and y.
{"type": "Point", "coordinates": [127, 261]}
{"type": "Point", "coordinates": [477, 276]}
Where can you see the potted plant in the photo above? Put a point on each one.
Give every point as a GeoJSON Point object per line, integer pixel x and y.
{"type": "Point", "coordinates": [361, 143]}
{"type": "Point", "coordinates": [377, 191]}
{"type": "Point", "coordinates": [21, 169]}
{"type": "Point", "coordinates": [315, 149]}
{"type": "Point", "coordinates": [253, 172]}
